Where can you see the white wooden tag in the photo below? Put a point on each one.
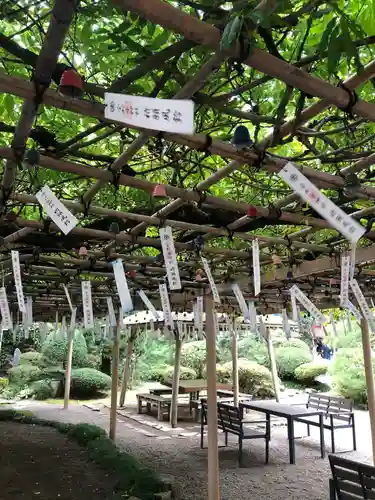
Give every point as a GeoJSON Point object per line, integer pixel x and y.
{"type": "Point", "coordinates": [286, 325]}
{"type": "Point", "coordinates": [18, 280]}
{"type": "Point", "coordinates": [256, 267]}
{"type": "Point", "coordinates": [294, 305]}
{"type": "Point", "coordinates": [262, 328]}
{"type": "Point", "coordinates": [4, 309]}
{"type": "Point", "coordinates": [216, 323]}
{"type": "Point", "coordinates": [352, 261]}
{"type": "Point", "coordinates": [253, 316]}
{"type": "Point", "coordinates": [354, 311]}
{"type": "Point", "coordinates": [58, 212]}
{"type": "Point", "coordinates": [168, 321]}
{"type": "Point", "coordinates": [148, 304]}
{"type": "Point", "coordinates": [336, 217]}
{"type": "Point", "coordinates": [307, 304]}
{"type": "Point", "coordinates": [333, 324]}
{"type": "Point", "coordinates": [366, 311]}
{"type": "Point", "coordinates": [241, 301]}
{"type": "Point", "coordinates": [68, 297]}
{"type": "Point", "coordinates": [111, 312]}
{"type": "Point", "coordinates": [199, 313]}
{"type": "Point", "coordinates": [122, 286]}
{"type": "Point", "coordinates": [207, 270]}
{"type": "Point", "coordinates": [73, 319]}
{"type": "Point", "coordinates": [87, 304]}
{"type": "Point", "coordinates": [170, 259]}
{"type": "Point", "coordinates": [29, 310]}
{"type": "Point", "coordinates": [344, 287]}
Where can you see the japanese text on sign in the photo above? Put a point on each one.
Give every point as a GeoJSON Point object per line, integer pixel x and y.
{"type": "Point", "coordinates": [336, 217]}
{"type": "Point", "coordinates": [148, 304]}
{"type": "Point", "coordinates": [294, 305]}
{"type": "Point", "coordinates": [18, 280]}
{"type": "Point", "coordinates": [7, 323]}
{"type": "Point", "coordinates": [29, 310]}
{"type": "Point", "coordinates": [307, 304]}
{"type": "Point", "coordinates": [170, 258]}
{"type": "Point", "coordinates": [366, 311]}
{"type": "Point", "coordinates": [354, 310]}
{"type": "Point", "coordinates": [68, 297]}
{"type": "Point", "coordinates": [111, 312]}
{"type": "Point", "coordinates": [60, 215]}
{"type": "Point", "coordinates": [253, 316]}
{"type": "Point", "coordinates": [168, 321]}
{"type": "Point", "coordinates": [344, 288]}
{"type": "Point", "coordinates": [256, 267]}
{"type": "Point", "coordinates": [199, 313]}
{"type": "Point", "coordinates": [207, 270]}
{"type": "Point", "coordinates": [87, 304]}
{"type": "Point", "coordinates": [167, 115]}
{"type": "Point", "coordinates": [241, 301]}
{"type": "Point", "coordinates": [122, 286]}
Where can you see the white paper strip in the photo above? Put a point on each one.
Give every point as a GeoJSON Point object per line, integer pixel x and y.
{"type": "Point", "coordinates": [307, 304]}
{"type": "Point", "coordinates": [60, 215]}
{"type": "Point", "coordinates": [262, 328]}
{"type": "Point", "coordinates": [122, 286]}
{"type": "Point", "coordinates": [294, 305]}
{"type": "Point", "coordinates": [253, 316]}
{"type": "Point", "coordinates": [111, 312]}
{"type": "Point", "coordinates": [256, 267]}
{"type": "Point", "coordinates": [215, 323]}
{"type": "Point", "coordinates": [167, 115]}
{"type": "Point", "coordinates": [286, 325]}
{"type": "Point", "coordinates": [336, 217]}
{"type": "Point", "coordinates": [352, 261]}
{"type": "Point", "coordinates": [170, 259]}
{"type": "Point", "coordinates": [366, 311]}
{"type": "Point", "coordinates": [29, 310]}
{"type": "Point", "coordinates": [73, 319]}
{"type": "Point", "coordinates": [199, 313]}
{"type": "Point", "coordinates": [148, 304]}
{"type": "Point", "coordinates": [168, 321]}
{"type": "Point", "coordinates": [68, 297]}
{"type": "Point", "coordinates": [354, 311]}
{"type": "Point", "coordinates": [4, 309]}
{"type": "Point", "coordinates": [18, 280]}
{"type": "Point", "coordinates": [241, 301]}
{"type": "Point", "coordinates": [207, 270]}
{"type": "Point", "coordinates": [344, 288]}
{"type": "Point", "coordinates": [88, 316]}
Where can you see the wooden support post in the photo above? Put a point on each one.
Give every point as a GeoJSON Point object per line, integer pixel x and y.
{"type": "Point", "coordinates": [115, 363]}
{"type": "Point", "coordinates": [69, 358]}
{"type": "Point", "coordinates": [275, 377]}
{"type": "Point", "coordinates": [126, 375]}
{"type": "Point", "coordinates": [367, 357]}
{"type": "Point", "coordinates": [213, 458]}
{"type": "Point", "coordinates": [235, 368]}
{"type": "Point", "coordinates": [176, 380]}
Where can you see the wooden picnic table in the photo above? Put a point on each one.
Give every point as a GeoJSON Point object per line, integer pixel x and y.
{"type": "Point", "coordinates": [196, 386]}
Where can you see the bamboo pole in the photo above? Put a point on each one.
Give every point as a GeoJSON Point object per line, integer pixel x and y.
{"type": "Point", "coordinates": [126, 375]}
{"type": "Point", "coordinates": [213, 458]}
{"type": "Point", "coordinates": [69, 359]}
{"type": "Point", "coordinates": [369, 372]}
{"type": "Point", "coordinates": [176, 380]}
{"type": "Point", "coordinates": [235, 368]}
{"type": "Point", "coordinates": [115, 363]}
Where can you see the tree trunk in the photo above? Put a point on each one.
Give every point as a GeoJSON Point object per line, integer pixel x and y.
{"type": "Point", "coordinates": [275, 378]}
{"type": "Point", "coordinates": [367, 356]}
{"type": "Point", "coordinates": [115, 362]}
{"type": "Point", "coordinates": [176, 381]}
{"type": "Point", "coordinates": [126, 375]}
{"type": "Point", "coordinates": [235, 368]}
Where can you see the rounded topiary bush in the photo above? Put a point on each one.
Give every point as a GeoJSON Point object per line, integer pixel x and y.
{"type": "Point", "coordinates": [23, 374]}
{"type": "Point", "coordinates": [194, 356]}
{"type": "Point", "coordinates": [42, 389]}
{"type": "Point", "coordinates": [348, 374]}
{"type": "Point", "coordinates": [290, 358]}
{"type": "Point", "coordinates": [87, 382]}
{"type": "Point", "coordinates": [31, 358]}
{"type": "Point", "coordinates": [253, 378]}
{"type": "Point", "coordinates": [185, 373]}
{"type": "Point", "coordinates": [157, 374]}
{"type": "Point", "coordinates": [307, 372]}
{"type": "Point", "coordinates": [254, 349]}
{"type": "Point", "coordinates": [55, 349]}
{"type": "Point", "coordinates": [283, 342]}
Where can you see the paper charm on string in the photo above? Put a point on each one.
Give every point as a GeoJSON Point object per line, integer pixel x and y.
{"type": "Point", "coordinates": [354, 311]}
{"type": "Point", "coordinates": [344, 288]}
{"type": "Point", "coordinates": [170, 259]}
{"type": "Point", "coordinates": [366, 311]}
{"type": "Point", "coordinates": [148, 304]}
{"type": "Point", "coordinates": [168, 320]}
{"type": "Point", "coordinates": [307, 304]}
{"type": "Point", "coordinates": [207, 270]}
{"type": "Point", "coordinates": [4, 309]}
{"type": "Point", "coordinates": [111, 312]}
{"type": "Point", "coordinates": [68, 297]}
{"type": "Point", "coordinates": [256, 267]}
{"type": "Point", "coordinates": [286, 325]}
{"type": "Point", "coordinates": [241, 301]}
{"type": "Point", "coordinates": [166, 115]}
{"type": "Point", "coordinates": [58, 212]}
{"type": "Point", "coordinates": [122, 286]}
{"type": "Point", "coordinates": [253, 316]}
{"type": "Point", "coordinates": [199, 313]}
{"type": "Point", "coordinates": [87, 304]}
{"type": "Point", "coordinates": [18, 280]}
{"type": "Point", "coordinates": [336, 217]}
{"type": "Point", "coordinates": [294, 305]}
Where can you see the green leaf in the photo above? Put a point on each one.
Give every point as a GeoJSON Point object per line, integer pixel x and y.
{"type": "Point", "coordinates": [231, 33]}
{"type": "Point", "coordinates": [334, 51]}
{"type": "Point", "coordinates": [326, 35]}
{"type": "Point", "coordinates": [160, 40]}
{"type": "Point", "coordinates": [9, 105]}
{"type": "Point", "coordinates": [151, 27]}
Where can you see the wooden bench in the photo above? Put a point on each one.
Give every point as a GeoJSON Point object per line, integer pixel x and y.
{"type": "Point", "coordinates": [338, 414]}
{"type": "Point", "coordinates": [195, 404]}
{"type": "Point", "coordinates": [351, 480]}
{"type": "Point", "coordinates": [229, 420]}
{"type": "Point", "coordinates": [162, 403]}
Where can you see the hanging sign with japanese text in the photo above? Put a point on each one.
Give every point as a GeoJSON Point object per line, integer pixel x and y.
{"type": "Point", "coordinates": [73, 319]}
{"type": "Point", "coordinates": [170, 259]}
{"type": "Point", "coordinates": [111, 312]}
{"type": "Point", "coordinates": [344, 288]}
{"type": "Point", "coordinates": [256, 267]}
{"type": "Point", "coordinates": [354, 311]}
{"type": "Point", "coordinates": [366, 311]}
{"type": "Point", "coordinates": [122, 286]}
{"type": "Point", "coordinates": [4, 309]}
{"type": "Point", "coordinates": [336, 217]}
{"type": "Point", "coordinates": [199, 313]}
{"type": "Point", "coordinates": [253, 316]}
{"type": "Point", "coordinates": [241, 301]}
{"type": "Point", "coordinates": [262, 329]}
{"type": "Point", "coordinates": [294, 305]}
{"type": "Point", "coordinates": [333, 324]}
{"type": "Point", "coordinates": [68, 297]}
{"type": "Point", "coordinates": [167, 115]}
{"type": "Point", "coordinates": [207, 270]}
{"type": "Point", "coordinates": [58, 212]}
{"type": "Point", "coordinates": [87, 304]}
{"type": "Point", "coordinates": [286, 325]}
{"type": "Point", "coordinates": [18, 280]}
{"type": "Point", "coordinates": [148, 304]}
{"type": "Point", "coordinates": [29, 310]}
{"type": "Point", "coordinates": [352, 261]}
{"type": "Point", "coordinates": [307, 304]}
{"type": "Point", "coordinates": [168, 320]}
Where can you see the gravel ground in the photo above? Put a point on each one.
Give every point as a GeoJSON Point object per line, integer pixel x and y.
{"type": "Point", "coordinates": [182, 457]}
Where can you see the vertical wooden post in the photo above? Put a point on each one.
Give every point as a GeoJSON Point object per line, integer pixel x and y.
{"type": "Point", "coordinates": [235, 367]}
{"type": "Point", "coordinates": [69, 358]}
{"type": "Point", "coordinates": [126, 375]}
{"type": "Point", "coordinates": [271, 354]}
{"type": "Point", "coordinates": [57, 321]}
{"type": "Point", "coordinates": [213, 458]}
{"type": "Point", "coordinates": [115, 363]}
{"type": "Point", "coordinates": [176, 379]}
{"type": "Point", "coordinates": [367, 357]}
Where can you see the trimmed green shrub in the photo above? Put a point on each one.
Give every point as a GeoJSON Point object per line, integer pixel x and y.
{"type": "Point", "coordinates": [3, 383]}
{"type": "Point", "coordinates": [55, 349]}
{"type": "Point", "coordinates": [185, 373]}
{"type": "Point", "coordinates": [194, 356]}
{"type": "Point", "coordinates": [254, 349]}
{"type": "Point", "coordinates": [93, 361]}
{"type": "Point", "coordinates": [87, 382]}
{"type": "Point", "coordinates": [84, 433]}
{"type": "Point", "coordinates": [19, 375]}
{"type": "Point", "coordinates": [348, 374]}
{"type": "Point", "coordinates": [290, 358]}
{"type": "Point", "coordinates": [307, 372]}
{"type": "Point", "coordinates": [283, 342]}
{"type": "Point", "coordinates": [253, 378]}
{"type": "Point", "coordinates": [31, 358]}
{"type": "Point", "coordinates": [42, 389]}
{"type": "Point", "coordinates": [157, 374]}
